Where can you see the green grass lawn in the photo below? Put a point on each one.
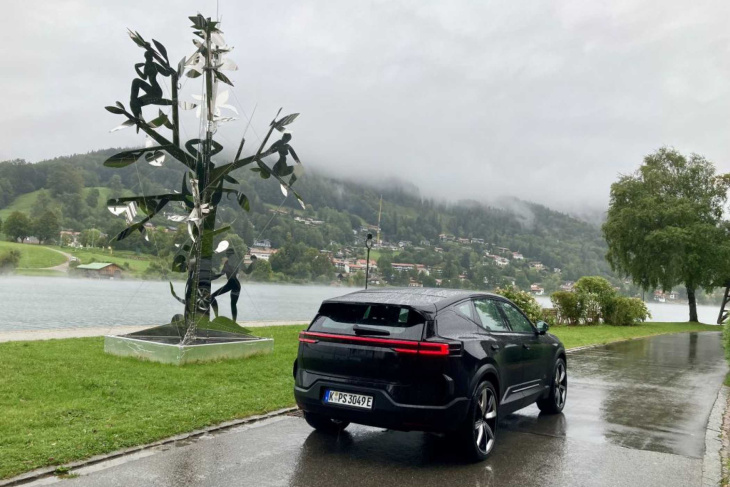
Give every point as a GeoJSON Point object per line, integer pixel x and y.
{"type": "Point", "coordinates": [579, 336]}
{"type": "Point", "coordinates": [34, 256]}
{"type": "Point", "coordinates": [63, 400]}
{"type": "Point", "coordinates": [138, 263]}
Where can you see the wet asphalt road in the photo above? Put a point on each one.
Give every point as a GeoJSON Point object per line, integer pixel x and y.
{"type": "Point", "coordinates": [636, 416]}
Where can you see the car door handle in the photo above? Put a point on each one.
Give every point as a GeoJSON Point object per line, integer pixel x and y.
{"type": "Point", "coordinates": [494, 347]}
{"type": "Point", "coordinates": [525, 346]}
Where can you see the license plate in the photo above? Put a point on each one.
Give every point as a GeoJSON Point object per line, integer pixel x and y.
{"type": "Point", "coordinates": [348, 399]}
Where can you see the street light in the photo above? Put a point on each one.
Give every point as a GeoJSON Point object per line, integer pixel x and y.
{"type": "Point", "coordinates": [368, 245]}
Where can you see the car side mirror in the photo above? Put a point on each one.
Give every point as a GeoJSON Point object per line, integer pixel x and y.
{"type": "Point", "coordinates": [542, 327]}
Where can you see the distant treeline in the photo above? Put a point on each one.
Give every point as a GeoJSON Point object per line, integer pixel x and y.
{"type": "Point", "coordinates": [74, 188]}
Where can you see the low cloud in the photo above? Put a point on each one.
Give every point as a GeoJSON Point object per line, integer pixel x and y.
{"type": "Point", "coordinates": [546, 102]}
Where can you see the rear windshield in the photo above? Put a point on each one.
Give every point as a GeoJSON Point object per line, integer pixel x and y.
{"type": "Point", "coordinates": [379, 320]}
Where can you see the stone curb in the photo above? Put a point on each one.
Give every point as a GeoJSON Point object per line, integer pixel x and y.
{"type": "Point", "coordinates": [49, 471]}
{"type": "Point", "coordinates": [712, 462]}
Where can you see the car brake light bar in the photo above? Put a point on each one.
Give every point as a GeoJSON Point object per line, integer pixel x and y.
{"type": "Point", "coordinates": [400, 346]}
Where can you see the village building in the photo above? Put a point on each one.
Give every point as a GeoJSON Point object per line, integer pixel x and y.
{"type": "Point", "coordinates": [517, 256]}
{"type": "Point", "coordinates": [567, 286]}
{"type": "Point", "coordinates": [70, 239]}
{"type": "Point", "coordinates": [262, 253]}
{"type": "Point", "coordinates": [100, 270]}
{"type": "Point", "coordinates": [537, 289]}
{"type": "Point", "coordinates": [538, 266]}
{"type": "Point", "coordinates": [266, 244]}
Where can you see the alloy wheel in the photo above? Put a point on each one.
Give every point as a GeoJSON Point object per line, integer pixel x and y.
{"type": "Point", "coordinates": [485, 424]}
{"type": "Point", "coordinates": [561, 385]}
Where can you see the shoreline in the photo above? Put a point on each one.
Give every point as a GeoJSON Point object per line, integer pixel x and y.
{"type": "Point", "coordinates": [96, 331]}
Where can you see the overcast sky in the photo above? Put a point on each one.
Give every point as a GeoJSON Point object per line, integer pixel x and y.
{"type": "Point", "coordinates": [547, 101]}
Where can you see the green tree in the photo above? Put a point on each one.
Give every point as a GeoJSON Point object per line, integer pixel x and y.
{"type": "Point", "coordinates": [42, 203]}
{"type": "Point", "coordinates": [65, 178]}
{"type": "Point", "coordinates": [91, 238]}
{"type": "Point", "coordinates": [261, 271]}
{"type": "Point", "coordinates": [17, 226]}
{"type": "Point", "coordinates": [46, 226]}
{"type": "Point", "coordinates": [92, 198]}
{"type": "Point", "coordinates": [664, 225]}
{"type": "Point", "coordinates": [116, 186]}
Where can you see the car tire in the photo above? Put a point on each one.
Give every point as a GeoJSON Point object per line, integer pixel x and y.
{"type": "Point", "coordinates": [555, 401]}
{"type": "Point", "coordinates": [479, 433]}
{"type": "Point", "coordinates": [325, 424]}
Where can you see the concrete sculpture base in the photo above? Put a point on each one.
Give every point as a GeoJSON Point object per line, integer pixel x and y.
{"type": "Point", "coordinates": [156, 346]}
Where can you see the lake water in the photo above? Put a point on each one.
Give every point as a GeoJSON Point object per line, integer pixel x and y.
{"type": "Point", "coordinates": [28, 303]}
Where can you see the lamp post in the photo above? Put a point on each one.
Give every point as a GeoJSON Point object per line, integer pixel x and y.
{"type": "Point", "coordinates": [368, 245]}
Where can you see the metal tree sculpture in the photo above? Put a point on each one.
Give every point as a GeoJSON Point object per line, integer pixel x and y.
{"type": "Point", "coordinates": [204, 183]}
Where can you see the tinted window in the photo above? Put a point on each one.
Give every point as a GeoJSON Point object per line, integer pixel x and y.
{"type": "Point", "coordinates": [489, 315]}
{"type": "Point", "coordinates": [465, 309]}
{"type": "Point", "coordinates": [388, 320]}
{"type": "Point", "coordinates": [517, 320]}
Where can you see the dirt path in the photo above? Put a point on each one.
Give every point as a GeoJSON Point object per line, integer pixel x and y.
{"type": "Point", "coordinates": [61, 267]}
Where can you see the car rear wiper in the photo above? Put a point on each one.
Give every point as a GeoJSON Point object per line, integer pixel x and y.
{"type": "Point", "coordinates": [367, 330]}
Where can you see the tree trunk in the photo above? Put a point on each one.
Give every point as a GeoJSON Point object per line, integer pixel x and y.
{"type": "Point", "coordinates": [692, 304]}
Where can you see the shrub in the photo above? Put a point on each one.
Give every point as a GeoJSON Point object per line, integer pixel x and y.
{"type": "Point", "coordinates": [525, 301]}
{"type": "Point", "coordinates": [726, 338]}
{"type": "Point", "coordinates": [597, 294]}
{"type": "Point", "coordinates": [569, 307]}
{"type": "Point", "coordinates": [9, 260]}
{"type": "Point", "coordinates": [623, 311]}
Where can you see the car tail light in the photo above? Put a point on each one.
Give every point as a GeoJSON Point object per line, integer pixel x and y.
{"type": "Point", "coordinates": [410, 347]}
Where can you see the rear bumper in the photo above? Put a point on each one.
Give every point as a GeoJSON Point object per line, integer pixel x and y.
{"type": "Point", "coordinates": [385, 413]}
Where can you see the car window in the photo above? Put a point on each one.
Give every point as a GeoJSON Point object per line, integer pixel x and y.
{"type": "Point", "coordinates": [465, 309]}
{"type": "Point", "coordinates": [517, 320]}
{"type": "Point", "coordinates": [489, 315]}
{"type": "Point", "coordinates": [390, 320]}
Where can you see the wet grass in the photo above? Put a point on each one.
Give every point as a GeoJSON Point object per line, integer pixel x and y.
{"type": "Point", "coordinates": [579, 336]}
{"type": "Point", "coordinates": [34, 256]}
{"type": "Point", "coordinates": [64, 400]}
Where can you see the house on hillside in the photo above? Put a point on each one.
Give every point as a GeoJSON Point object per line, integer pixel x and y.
{"type": "Point", "coordinates": [517, 256]}
{"type": "Point", "coordinates": [537, 289]}
{"type": "Point", "coordinates": [538, 266]}
{"type": "Point", "coordinates": [265, 244]}
{"type": "Point", "coordinates": [70, 239]}
{"type": "Point", "coordinates": [262, 253]}
{"type": "Point", "coordinates": [100, 270]}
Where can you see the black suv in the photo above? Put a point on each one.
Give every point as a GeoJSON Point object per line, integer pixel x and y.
{"type": "Point", "coordinates": [440, 360]}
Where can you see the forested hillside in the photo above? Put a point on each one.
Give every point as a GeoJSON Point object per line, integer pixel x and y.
{"type": "Point", "coordinates": [69, 193]}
